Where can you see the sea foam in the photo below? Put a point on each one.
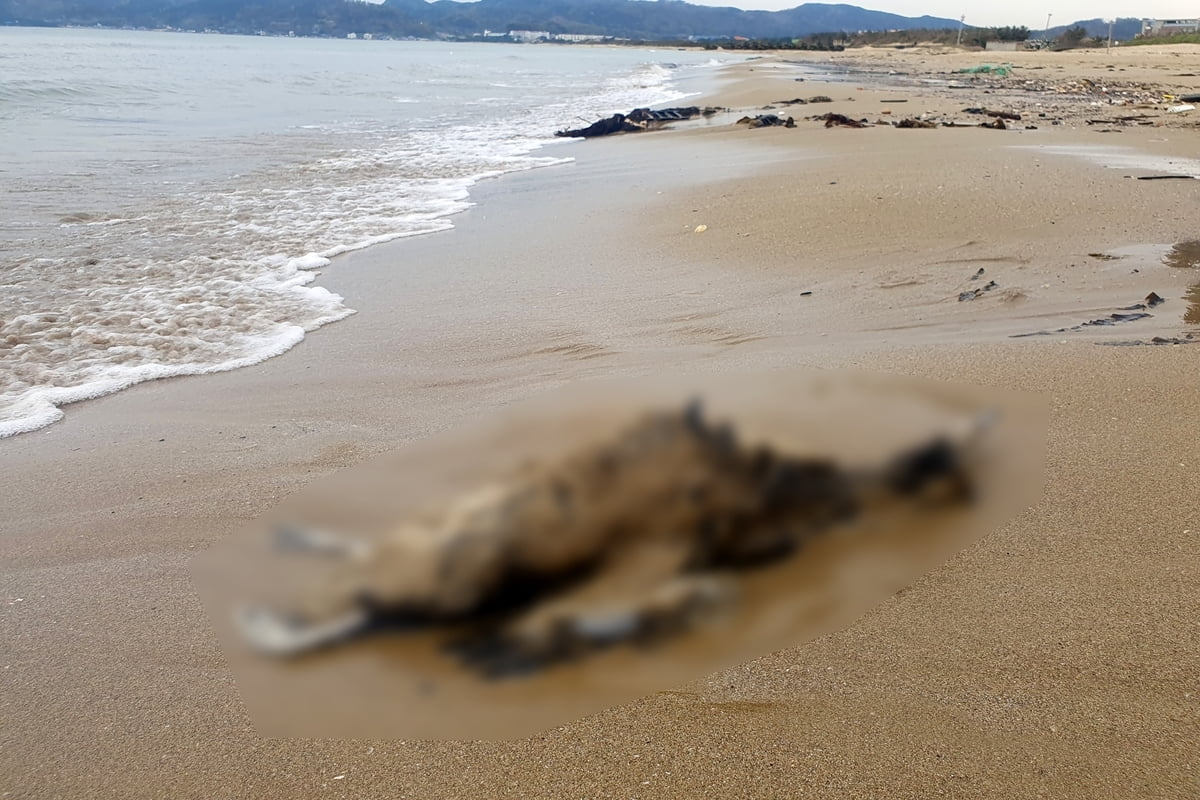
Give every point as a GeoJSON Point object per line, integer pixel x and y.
{"type": "Point", "coordinates": [201, 276]}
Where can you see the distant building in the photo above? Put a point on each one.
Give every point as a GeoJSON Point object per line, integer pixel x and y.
{"type": "Point", "coordinates": [1169, 27]}
{"type": "Point", "coordinates": [529, 36]}
{"type": "Point", "coordinates": [581, 37]}
{"type": "Point", "coordinates": [351, 35]}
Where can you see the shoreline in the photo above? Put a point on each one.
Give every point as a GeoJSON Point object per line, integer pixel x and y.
{"type": "Point", "coordinates": [864, 71]}
{"type": "Point", "coordinates": [1057, 656]}
{"type": "Point", "coordinates": [285, 264]}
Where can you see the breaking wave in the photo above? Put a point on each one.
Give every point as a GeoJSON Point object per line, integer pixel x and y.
{"type": "Point", "coordinates": [210, 275]}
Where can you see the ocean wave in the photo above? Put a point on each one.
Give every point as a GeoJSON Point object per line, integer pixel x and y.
{"type": "Point", "coordinates": [220, 276]}
{"type": "Point", "coordinates": [102, 341]}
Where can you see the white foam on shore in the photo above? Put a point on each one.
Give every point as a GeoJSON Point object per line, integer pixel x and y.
{"type": "Point", "coordinates": [105, 341]}
{"type": "Point", "coordinates": [310, 261]}
{"type": "Point", "coordinates": [219, 277]}
{"type": "Point", "coordinates": [39, 407]}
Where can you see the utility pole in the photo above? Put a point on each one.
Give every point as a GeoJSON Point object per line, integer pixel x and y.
{"type": "Point", "coordinates": [961, 22]}
{"type": "Point", "coordinates": [1046, 35]}
{"type": "Point", "coordinates": [1111, 22]}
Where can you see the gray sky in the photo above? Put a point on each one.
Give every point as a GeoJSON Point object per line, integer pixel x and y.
{"type": "Point", "coordinates": [1031, 13]}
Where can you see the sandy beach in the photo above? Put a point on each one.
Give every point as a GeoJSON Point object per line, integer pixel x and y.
{"type": "Point", "coordinates": [1058, 658]}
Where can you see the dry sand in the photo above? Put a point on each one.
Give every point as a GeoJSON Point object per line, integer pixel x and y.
{"type": "Point", "coordinates": [1060, 657]}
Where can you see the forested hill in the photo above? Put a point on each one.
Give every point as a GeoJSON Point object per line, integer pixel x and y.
{"type": "Point", "coordinates": [632, 19]}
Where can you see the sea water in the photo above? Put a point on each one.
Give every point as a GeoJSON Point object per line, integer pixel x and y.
{"type": "Point", "coordinates": [165, 198]}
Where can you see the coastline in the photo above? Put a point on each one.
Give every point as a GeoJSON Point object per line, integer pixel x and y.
{"type": "Point", "coordinates": [1058, 656]}
{"type": "Point", "coordinates": [396, 165]}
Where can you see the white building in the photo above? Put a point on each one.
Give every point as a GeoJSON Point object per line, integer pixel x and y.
{"type": "Point", "coordinates": [1169, 27]}
{"type": "Point", "coordinates": [578, 37]}
{"type": "Point", "coordinates": [529, 36]}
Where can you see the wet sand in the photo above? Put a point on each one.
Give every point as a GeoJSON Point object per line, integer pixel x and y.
{"type": "Point", "coordinates": [1058, 657]}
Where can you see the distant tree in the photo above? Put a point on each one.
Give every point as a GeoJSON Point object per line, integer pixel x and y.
{"type": "Point", "coordinates": [1012, 33]}
{"type": "Point", "coordinates": [1071, 37]}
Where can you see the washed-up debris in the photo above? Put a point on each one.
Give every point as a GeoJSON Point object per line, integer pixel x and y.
{"type": "Point", "coordinates": [640, 119]}
{"type": "Point", "coordinates": [916, 123]}
{"type": "Point", "coordinates": [1166, 177]}
{"type": "Point", "coordinates": [996, 124]}
{"type": "Point", "coordinates": [1000, 71]}
{"type": "Point", "coordinates": [677, 501]}
{"type": "Point", "coordinates": [670, 114]}
{"type": "Point", "coordinates": [1151, 301]}
{"type": "Point", "coordinates": [795, 101]}
{"type": "Point", "coordinates": [1076, 101]}
{"type": "Point", "coordinates": [976, 293]}
{"type": "Point", "coordinates": [1190, 98]}
{"type": "Point", "coordinates": [1156, 340]}
{"type": "Point", "coordinates": [767, 121]}
{"type": "Point", "coordinates": [492, 577]}
{"type": "Point", "coordinates": [1183, 108]}
{"type": "Point", "coordinates": [1140, 119]}
{"type": "Point", "coordinates": [997, 114]}
{"type": "Point", "coordinates": [1116, 318]}
{"type": "Point", "coordinates": [617, 123]}
{"type": "Point", "coordinates": [820, 98]}
{"type": "Point", "coordinates": [834, 120]}
{"type": "Point", "coordinates": [893, 101]}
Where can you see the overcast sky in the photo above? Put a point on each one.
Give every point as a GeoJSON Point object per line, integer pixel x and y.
{"type": "Point", "coordinates": [1031, 13]}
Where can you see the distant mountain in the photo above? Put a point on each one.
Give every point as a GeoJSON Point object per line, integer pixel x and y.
{"type": "Point", "coordinates": [1125, 29]}
{"type": "Point", "coordinates": [657, 20]}
{"type": "Point", "coordinates": [632, 19]}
